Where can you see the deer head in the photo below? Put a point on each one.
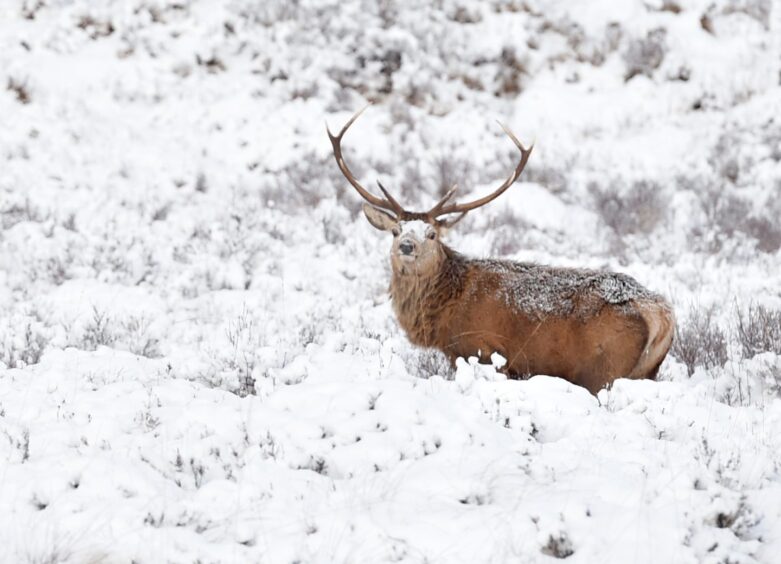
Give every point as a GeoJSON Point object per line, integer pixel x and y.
{"type": "Point", "coordinates": [416, 235]}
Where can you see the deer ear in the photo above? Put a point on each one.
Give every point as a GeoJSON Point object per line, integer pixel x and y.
{"type": "Point", "coordinates": [379, 219]}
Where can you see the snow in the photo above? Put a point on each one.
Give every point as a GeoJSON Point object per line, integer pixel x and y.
{"type": "Point", "coordinates": [198, 358]}
{"type": "Point", "coordinates": [416, 228]}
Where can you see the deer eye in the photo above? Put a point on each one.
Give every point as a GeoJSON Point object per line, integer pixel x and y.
{"type": "Point", "coordinates": [396, 231]}
{"type": "Point", "coordinates": [431, 234]}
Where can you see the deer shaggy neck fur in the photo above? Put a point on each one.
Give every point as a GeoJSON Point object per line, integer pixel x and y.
{"type": "Point", "coordinates": [422, 298]}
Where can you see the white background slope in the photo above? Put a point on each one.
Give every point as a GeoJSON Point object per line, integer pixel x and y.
{"type": "Point", "coordinates": [201, 365]}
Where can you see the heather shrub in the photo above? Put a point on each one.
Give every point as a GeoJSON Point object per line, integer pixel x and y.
{"type": "Point", "coordinates": [758, 330]}
{"type": "Point", "coordinates": [633, 210]}
{"type": "Point", "coordinates": [700, 341]}
{"type": "Point", "coordinates": [645, 55]}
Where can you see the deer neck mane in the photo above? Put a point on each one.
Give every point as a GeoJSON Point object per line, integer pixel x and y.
{"type": "Point", "coordinates": [419, 299]}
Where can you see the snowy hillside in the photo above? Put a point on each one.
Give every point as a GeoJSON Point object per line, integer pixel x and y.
{"type": "Point", "coordinates": [198, 358]}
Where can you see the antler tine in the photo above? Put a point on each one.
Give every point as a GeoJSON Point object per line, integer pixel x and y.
{"type": "Point", "coordinates": [434, 212]}
{"type": "Point", "coordinates": [463, 208]}
{"type": "Point", "coordinates": [392, 201]}
{"type": "Point", "coordinates": [336, 142]}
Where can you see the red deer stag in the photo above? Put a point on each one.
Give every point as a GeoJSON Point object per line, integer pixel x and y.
{"type": "Point", "coordinates": [586, 326]}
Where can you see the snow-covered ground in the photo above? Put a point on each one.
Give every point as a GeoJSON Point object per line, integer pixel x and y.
{"type": "Point", "coordinates": [199, 359]}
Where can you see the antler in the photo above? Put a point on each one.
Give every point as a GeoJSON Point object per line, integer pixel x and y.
{"type": "Point", "coordinates": [441, 209]}
{"type": "Point", "coordinates": [389, 203]}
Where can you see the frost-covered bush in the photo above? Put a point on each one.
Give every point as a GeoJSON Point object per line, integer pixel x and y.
{"type": "Point", "coordinates": [451, 168]}
{"type": "Point", "coordinates": [19, 89]}
{"type": "Point", "coordinates": [645, 55]}
{"type": "Point", "coordinates": [721, 212]}
{"type": "Point", "coordinates": [266, 13]}
{"type": "Point", "coordinates": [724, 211]}
{"type": "Point", "coordinates": [772, 138]}
{"type": "Point", "coordinates": [766, 230]}
{"type": "Point", "coordinates": [723, 157]}
{"type": "Point", "coordinates": [412, 178]}
{"type": "Point", "coordinates": [507, 229]}
{"type": "Point", "coordinates": [241, 356]}
{"type": "Point", "coordinates": [764, 225]}
{"type": "Point", "coordinates": [23, 340]}
{"type": "Point", "coordinates": [512, 70]}
{"type": "Point", "coordinates": [305, 182]}
{"type": "Point", "coordinates": [700, 341]}
{"type": "Point", "coordinates": [94, 27]}
{"type": "Point", "coordinates": [636, 209]}
{"type": "Point", "coordinates": [770, 373]}
{"type": "Point", "coordinates": [17, 209]}
{"type": "Point", "coordinates": [758, 330]}
{"type": "Point", "coordinates": [552, 178]}
{"type": "Point", "coordinates": [426, 363]}
{"type": "Point", "coordinates": [99, 331]}
{"type": "Point", "coordinates": [558, 546]}
{"type": "Point", "coordinates": [244, 340]}
{"type": "Point", "coordinates": [728, 216]}
{"type": "Point", "coordinates": [758, 10]}
{"type": "Point", "coordinates": [138, 337]}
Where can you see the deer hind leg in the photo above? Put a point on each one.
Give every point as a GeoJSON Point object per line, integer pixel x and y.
{"type": "Point", "coordinates": [598, 373]}
{"type": "Point", "coordinates": [606, 365]}
{"type": "Point", "coordinates": [615, 342]}
{"type": "Point", "coordinates": [660, 321]}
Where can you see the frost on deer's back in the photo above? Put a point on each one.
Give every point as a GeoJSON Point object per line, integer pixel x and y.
{"type": "Point", "coordinates": [540, 290]}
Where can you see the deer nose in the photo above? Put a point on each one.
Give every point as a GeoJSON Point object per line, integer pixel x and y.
{"type": "Point", "coordinates": [406, 247]}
